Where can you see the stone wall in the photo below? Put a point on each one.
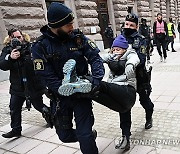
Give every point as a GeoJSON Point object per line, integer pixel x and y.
{"type": "Point", "coordinates": [120, 12]}
{"type": "Point", "coordinates": [23, 14]}
{"type": "Point", "coordinates": [87, 16]}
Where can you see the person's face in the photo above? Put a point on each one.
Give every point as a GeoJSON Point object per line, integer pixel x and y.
{"type": "Point", "coordinates": [17, 35]}
{"type": "Point", "coordinates": [159, 17]}
{"type": "Point", "coordinates": [117, 50]}
{"type": "Point", "coordinates": [68, 28]}
{"type": "Point", "coordinates": [131, 25]}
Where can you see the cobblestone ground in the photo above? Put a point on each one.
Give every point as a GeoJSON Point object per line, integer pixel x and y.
{"type": "Point", "coordinates": [165, 132]}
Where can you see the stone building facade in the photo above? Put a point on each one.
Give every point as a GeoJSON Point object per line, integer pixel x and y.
{"type": "Point", "coordinates": [91, 16]}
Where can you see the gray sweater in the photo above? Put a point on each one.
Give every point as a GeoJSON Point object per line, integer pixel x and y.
{"type": "Point", "coordinates": [131, 58]}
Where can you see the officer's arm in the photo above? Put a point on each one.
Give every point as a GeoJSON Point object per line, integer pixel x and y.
{"type": "Point", "coordinates": [91, 52]}
{"type": "Point", "coordinates": [45, 69]}
{"type": "Point", "coordinates": [6, 63]}
{"type": "Point", "coordinates": [142, 52]}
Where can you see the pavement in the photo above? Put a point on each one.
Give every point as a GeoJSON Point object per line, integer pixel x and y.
{"type": "Point", "coordinates": [162, 138]}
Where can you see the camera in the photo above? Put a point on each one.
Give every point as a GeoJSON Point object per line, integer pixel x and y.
{"type": "Point", "coordinates": [17, 44]}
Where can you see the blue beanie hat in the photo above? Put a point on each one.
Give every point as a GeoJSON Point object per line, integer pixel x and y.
{"type": "Point", "coordinates": [59, 15]}
{"type": "Point", "coordinates": [120, 41]}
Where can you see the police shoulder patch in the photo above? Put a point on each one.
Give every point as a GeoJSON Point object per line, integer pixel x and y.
{"type": "Point", "coordinates": [38, 64]}
{"type": "Point", "coordinates": [92, 44]}
{"type": "Point", "coordinates": [143, 49]}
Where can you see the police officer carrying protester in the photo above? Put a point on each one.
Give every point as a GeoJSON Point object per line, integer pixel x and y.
{"type": "Point", "coordinates": [59, 43]}
{"type": "Point", "coordinates": [25, 86]}
{"type": "Point", "coordinates": [143, 83]}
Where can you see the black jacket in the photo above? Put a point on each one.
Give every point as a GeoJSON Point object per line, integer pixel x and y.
{"type": "Point", "coordinates": [20, 69]}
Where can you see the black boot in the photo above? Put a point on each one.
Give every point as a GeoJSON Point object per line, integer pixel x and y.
{"type": "Point", "coordinates": [46, 113]}
{"type": "Point", "coordinates": [124, 144]}
{"type": "Point", "coordinates": [11, 134]}
{"type": "Point", "coordinates": [148, 124]}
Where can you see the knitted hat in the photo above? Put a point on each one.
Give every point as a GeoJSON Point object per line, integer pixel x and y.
{"type": "Point", "coordinates": [121, 42]}
{"type": "Point", "coordinates": [59, 15]}
{"type": "Point", "coordinates": [132, 17]}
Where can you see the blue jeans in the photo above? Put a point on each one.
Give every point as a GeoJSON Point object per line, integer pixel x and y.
{"type": "Point", "coordinates": [16, 103]}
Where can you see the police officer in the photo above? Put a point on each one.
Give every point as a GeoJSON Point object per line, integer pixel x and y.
{"type": "Point", "coordinates": [16, 57]}
{"type": "Point", "coordinates": [144, 30]}
{"type": "Point", "coordinates": [59, 43]}
{"type": "Point", "coordinates": [143, 86]}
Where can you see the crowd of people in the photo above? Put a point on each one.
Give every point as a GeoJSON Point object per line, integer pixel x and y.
{"type": "Point", "coordinates": [57, 65]}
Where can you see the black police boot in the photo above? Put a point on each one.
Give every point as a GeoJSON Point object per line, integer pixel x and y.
{"type": "Point", "coordinates": [123, 144]}
{"type": "Point", "coordinates": [46, 113]}
{"type": "Point", "coordinates": [11, 134]}
{"type": "Point", "coordinates": [148, 124]}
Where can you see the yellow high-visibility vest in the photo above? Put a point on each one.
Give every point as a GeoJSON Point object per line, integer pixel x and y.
{"type": "Point", "coordinates": [169, 25]}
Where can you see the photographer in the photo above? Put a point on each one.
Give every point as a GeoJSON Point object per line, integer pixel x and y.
{"type": "Point", "coordinates": [25, 86]}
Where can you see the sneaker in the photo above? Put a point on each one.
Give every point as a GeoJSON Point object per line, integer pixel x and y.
{"type": "Point", "coordinates": [11, 134]}
{"type": "Point", "coordinates": [69, 71]}
{"type": "Point", "coordinates": [174, 51]}
{"type": "Point", "coordinates": [161, 58]}
{"type": "Point", "coordinates": [81, 86]}
{"type": "Point", "coordinates": [123, 144]}
{"type": "Point", "coordinates": [148, 124]}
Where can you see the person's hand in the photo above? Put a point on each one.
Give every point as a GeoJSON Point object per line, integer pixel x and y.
{"type": "Point", "coordinates": [174, 36]}
{"type": "Point", "coordinates": [15, 54]}
{"type": "Point", "coordinates": [129, 71]}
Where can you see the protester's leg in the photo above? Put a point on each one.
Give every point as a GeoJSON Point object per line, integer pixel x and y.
{"type": "Point", "coordinates": [116, 97]}
{"type": "Point", "coordinates": [125, 124]}
{"type": "Point", "coordinates": [84, 121]}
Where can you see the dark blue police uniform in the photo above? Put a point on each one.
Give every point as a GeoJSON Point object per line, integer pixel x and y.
{"type": "Point", "coordinates": [144, 89]}
{"type": "Point", "coordinates": [50, 54]}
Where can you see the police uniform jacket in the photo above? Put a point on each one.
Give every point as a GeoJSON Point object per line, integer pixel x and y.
{"type": "Point", "coordinates": [51, 53]}
{"type": "Point", "coordinates": [17, 87]}
{"type": "Point", "coordinates": [139, 44]}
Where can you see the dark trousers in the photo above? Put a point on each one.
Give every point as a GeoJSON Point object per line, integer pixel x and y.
{"type": "Point", "coordinates": [171, 40]}
{"type": "Point", "coordinates": [84, 119]}
{"type": "Point", "coordinates": [119, 98]}
{"type": "Point", "coordinates": [161, 42]}
{"type": "Point", "coordinates": [16, 103]}
{"type": "Point", "coordinates": [125, 118]}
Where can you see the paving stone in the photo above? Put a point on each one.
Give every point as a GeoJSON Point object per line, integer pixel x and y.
{"type": "Point", "coordinates": [26, 146]}
{"type": "Point", "coordinates": [63, 149]}
{"type": "Point", "coordinates": [43, 148]}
